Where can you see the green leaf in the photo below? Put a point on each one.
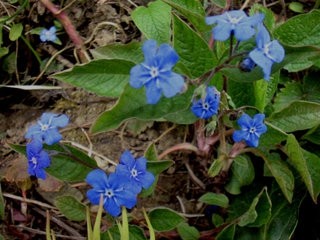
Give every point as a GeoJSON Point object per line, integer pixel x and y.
{"type": "Point", "coordinates": [273, 137]}
{"type": "Point", "coordinates": [309, 90]}
{"type": "Point", "coordinates": [250, 208]}
{"type": "Point", "coordinates": [217, 199]}
{"type": "Point", "coordinates": [284, 215]}
{"type": "Point", "coordinates": [71, 208]}
{"type": "Point", "coordinates": [132, 104]}
{"type": "Point", "coordinates": [264, 91]}
{"type": "Point", "coordinates": [165, 219]}
{"type": "Point", "coordinates": [187, 232]}
{"type": "Point", "coordinates": [69, 164]}
{"type": "Point", "coordinates": [299, 115]}
{"type": "Point", "coordinates": [313, 135]}
{"type": "Point", "coordinates": [298, 161]}
{"type": "Point", "coordinates": [154, 21]}
{"type": "Point", "coordinates": [242, 171]}
{"type": "Point", "coordinates": [182, 117]}
{"type": "Point", "coordinates": [296, 7]}
{"type": "Point", "coordinates": [241, 94]}
{"type": "Point", "coordinates": [130, 51]}
{"type": "Point", "coordinates": [15, 31]}
{"type": "Point", "coordinates": [282, 174]}
{"type": "Point", "coordinates": [3, 51]}
{"type": "Point", "coordinates": [227, 233]}
{"type": "Point", "coordinates": [313, 163]}
{"type": "Point", "coordinates": [193, 50]}
{"type": "Point", "coordinates": [301, 30]}
{"type": "Point", "coordinates": [192, 10]}
{"type": "Point", "coordinates": [105, 77]}
{"type": "Point", "coordinates": [157, 167]}
{"type": "Point", "coordinates": [135, 233]}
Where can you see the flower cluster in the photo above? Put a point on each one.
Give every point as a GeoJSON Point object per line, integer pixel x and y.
{"type": "Point", "coordinates": [236, 23]}
{"type": "Point", "coordinates": [155, 73]}
{"type": "Point", "coordinates": [251, 129]}
{"type": "Point", "coordinates": [121, 187]}
{"type": "Point", "coordinates": [208, 105]}
{"type": "Point", "coordinates": [44, 131]}
{"type": "Point", "coordinates": [48, 34]}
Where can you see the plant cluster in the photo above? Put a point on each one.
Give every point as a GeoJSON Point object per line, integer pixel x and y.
{"type": "Point", "coordinates": [226, 76]}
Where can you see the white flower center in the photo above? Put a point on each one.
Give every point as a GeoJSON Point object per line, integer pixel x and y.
{"type": "Point", "coordinates": [234, 20]}
{"type": "Point", "coordinates": [134, 172]}
{"type": "Point", "coordinates": [44, 127]}
{"type": "Point", "coordinates": [108, 193]}
{"type": "Point", "coordinates": [154, 72]}
{"type": "Point", "coordinates": [34, 160]}
{"type": "Point", "coordinates": [266, 51]}
{"type": "Point", "coordinates": [206, 106]}
{"type": "Point", "coordinates": [252, 130]}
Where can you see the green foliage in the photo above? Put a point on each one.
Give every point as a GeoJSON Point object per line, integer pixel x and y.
{"type": "Point", "coordinates": [132, 104]}
{"type": "Point", "coordinates": [154, 21]}
{"type": "Point", "coordinates": [210, 198]}
{"type": "Point", "coordinates": [105, 77]}
{"type": "Point", "coordinates": [71, 208]}
{"type": "Point", "coordinates": [157, 216]}
{"type": "Point", "coordinates": [265, 185]}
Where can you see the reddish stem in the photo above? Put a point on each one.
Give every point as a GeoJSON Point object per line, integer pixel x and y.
{"type": "Point", "coordinates": [69, 27]}
{"type": "Point", "coordinates": [181, 146]}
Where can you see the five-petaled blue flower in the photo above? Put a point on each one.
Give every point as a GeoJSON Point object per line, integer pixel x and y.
{"type": "Point", "coordinates": [251, 129]}
{"type": "Point", "coordinates": [47, 128]}
{"type": "Point", "coordinates": [136, 171]}
{"type": "Point", "coordinates": [115, 191]}
{"type": "Point", "coordinates": [155, 73]}
{"type": "Point", "coordinates": [38, 159]}
{"type": "Point", "coordinates": [48, 35]}
{"type": "Point", "coordinates": [267, 52]}
{"type": "Point", "coordinates": [208, 106]}
{"type": "Point", "coordinates": [234, 22]}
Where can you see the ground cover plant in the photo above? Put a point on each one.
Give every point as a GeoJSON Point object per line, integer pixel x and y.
{"type": "Point", "coordinates": [194, 120]}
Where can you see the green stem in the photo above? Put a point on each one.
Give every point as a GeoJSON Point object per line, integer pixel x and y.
{"type": "Point", "coordinates": [32, 49]}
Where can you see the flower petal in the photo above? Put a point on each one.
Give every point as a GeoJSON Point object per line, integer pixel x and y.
{"type": "Point", "coordinates": [245, 32]}
{"type": "Point", "coordinates": [172, 85]}
{"type": "Point", "coordinates": [276, 51]}
{"type": "Point", "coordinates": [112, 207]}
{"type": "Point", "coordinates": [94, 196]}
{"type": "Point", "coordinates": [139, 75]}
{"type": "Point", "coordinates": [44, 160]}
{"type": "Point", "coordinates": [245, 121]}
{"type": "Point", "coordinates": [263, 36]}
{"type": "Point", "coordinates": [60, 120]}
{"type": "Point", "coordinates": [252, 141]}
{"type": "Point", "coordinates": [153, 93]}
{"type": "Point", "coordinates": [149, 49]}
{"type": "Point", "coordinates": [127, 159]}
{"type": "Point", "coordinates": [141, 164]}
{"type": "Point", "coordinates": [52, 136]}
{"type": "Point", "coordinates": [166, 57]}
{"type": "Point", "coordinates": [262, 61]}
{"type": "Point", "coordinates": [34, 132]}
{"type": "Point", "coordinates": [222, 31]}
{"type": "Point", "coordinates": [239, 135]}
{"type": "Point", "coordinates": [40, 173]}
{"type": "Point", "coordinates": [147, 180]}
{"type": "Point", "coordinates": [97, 179]}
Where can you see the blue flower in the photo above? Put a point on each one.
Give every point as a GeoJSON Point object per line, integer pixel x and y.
{"type": "Point", "coordinates": [234, 22]}
{"type": "Point", "coordinates": [136, 171]}
{"type": "Point", "coordinates": [155, 73]}
{"type": "Point", "coordinates": [48, 35]}
{"type": "Point", "coordinates": [267, 52]}
{"type": "Point", "coordinates": [208, 106]}
{"type": "Point", "coordinates": [38, 159]}
{"type": "Point", "coordinates": [47, 128]}
{"type": "Point", "coordinates": [246, 65]}
{"type": "Point", "coordinates": [114, 189]}
{"type": "Point", "coordinates": [251, 129]}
